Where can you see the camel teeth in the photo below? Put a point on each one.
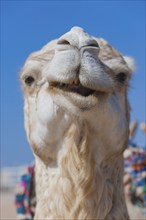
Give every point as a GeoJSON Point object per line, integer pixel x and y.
{"type": "Point", "coordinates": [77, 82]}
{"type": "Point", "coordinates": [61, 84]}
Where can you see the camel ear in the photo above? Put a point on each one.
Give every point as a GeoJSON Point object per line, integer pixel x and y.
{"type": "Point", "coordinates": [130, 62]}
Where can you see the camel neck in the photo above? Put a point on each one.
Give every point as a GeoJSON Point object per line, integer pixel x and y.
{"type": "Point", "coordinates": [79, 187]}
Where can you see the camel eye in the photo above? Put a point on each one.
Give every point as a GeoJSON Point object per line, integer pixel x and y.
{"type": "Point", "coordinates": [121, 77]}
{"type": "Point", "coordinates": [29, 80]}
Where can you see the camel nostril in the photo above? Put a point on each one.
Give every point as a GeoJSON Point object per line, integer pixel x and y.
{"type": "Point", "coordinates": [63, 42]}
{"type": "Point", "coordinates": [91, 43]}
{"type": "Point", "coordinates": [94, 44]}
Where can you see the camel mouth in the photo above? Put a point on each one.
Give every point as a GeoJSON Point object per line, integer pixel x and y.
{"type": "Point", "coordinates": [73, 88]}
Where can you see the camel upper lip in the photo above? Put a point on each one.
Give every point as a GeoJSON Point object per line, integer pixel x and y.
{"type": "Point", "coordinates": [79, 88]}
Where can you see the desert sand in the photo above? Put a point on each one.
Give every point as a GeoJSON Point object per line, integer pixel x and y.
{"type": "Point", "coordinates": [7, 208]}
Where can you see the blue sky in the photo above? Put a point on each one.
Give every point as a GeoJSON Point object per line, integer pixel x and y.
{"type": "Point", "coordinates": [27, 25]}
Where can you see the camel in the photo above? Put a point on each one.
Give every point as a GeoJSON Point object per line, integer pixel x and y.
{"type": "Point", "coordinates": [76, 119]}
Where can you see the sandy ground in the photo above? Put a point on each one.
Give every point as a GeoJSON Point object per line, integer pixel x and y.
{"type": "Point", "coordinates": [134, 212]}
{"type": "Point", "coordinates": [7, 208]}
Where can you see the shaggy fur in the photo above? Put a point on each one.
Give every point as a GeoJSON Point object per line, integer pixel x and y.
{"type": "Point", "coordinates": [81, 189]}
{"type": "Point", "coordinates": [77, 119]}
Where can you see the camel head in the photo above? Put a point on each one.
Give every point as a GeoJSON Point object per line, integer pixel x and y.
{"type": "Point", "coordinates": [76, 78]}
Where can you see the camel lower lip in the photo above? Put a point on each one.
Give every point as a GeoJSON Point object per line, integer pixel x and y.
{"type": "Point", "coordinates": [78, 89]}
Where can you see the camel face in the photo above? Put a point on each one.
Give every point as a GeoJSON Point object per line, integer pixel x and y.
{"type": "Point", "coordinates": [80, 70]}
{"type": "Point", "coordinates": [76, 72]}
{"type": "Point", "coordinates": [75, 75]}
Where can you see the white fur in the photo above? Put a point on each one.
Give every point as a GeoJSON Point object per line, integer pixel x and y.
{"type": "Point", "coordinates": [78, 141]}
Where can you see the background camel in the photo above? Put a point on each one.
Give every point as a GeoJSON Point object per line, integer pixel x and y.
{"type": "Point", "coordinates": [77, 119]}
